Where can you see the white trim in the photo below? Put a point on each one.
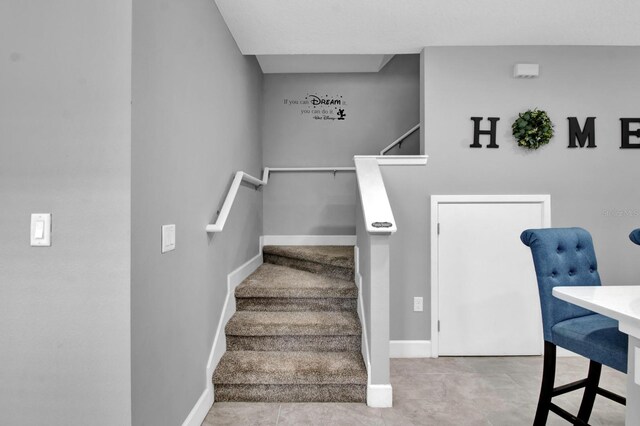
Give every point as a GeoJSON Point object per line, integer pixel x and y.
{"type": "Point", "coordinates": [435, 314]}
{"type": "Point", "coordinates": [310, 169]}
{"type": "Point", "coordinates": [379, 396]}
{"type": "Point", "coordinates": [364, 346]}
{"type": "Point", "coordinates": [410, 349]}
{"type": "Point", "coordinates": [397, 160]}
{"type": "Point", "coordinates": [544, 199]}
{"type": "Point", "coordinates": [376, 207]}
{"type": "Point", "coordinates": [229, 308]}
{"type": "Point", "coordinates": [309, 240]}
{"type": "Point", "coordinates": [219, 346]}
{"type": "Point", "coordinates": [239, 177]}
{"type": "Point", "coordinates": [202, 407]}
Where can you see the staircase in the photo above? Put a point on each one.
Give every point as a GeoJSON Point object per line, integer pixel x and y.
{"type": "Point", "coordinates": [296, 334]}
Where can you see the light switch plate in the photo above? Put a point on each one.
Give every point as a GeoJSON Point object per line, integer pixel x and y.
{"type": "Point", "coordinates": [168, 238]}
{"type": "Point", "coordinates": [41, 229]}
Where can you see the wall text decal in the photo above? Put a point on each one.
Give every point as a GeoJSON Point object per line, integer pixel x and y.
{"type": "Point", "coordinates": [320, 107]}
{"type": "Point", "coordinates": [491, 132]}
{"type": "Point", "coordinates": [627, 133]}
{"type": "Point", "coordinates": [579, 137]}
{"type": "Point", "coordinates": [585, 136]}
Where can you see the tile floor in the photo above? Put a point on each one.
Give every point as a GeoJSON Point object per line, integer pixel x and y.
{"type": "Point", "coordinates": [444, 391]}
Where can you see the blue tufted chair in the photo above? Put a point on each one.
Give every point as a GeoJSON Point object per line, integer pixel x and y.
{"type": "Point", "coordinates": [565, 257]}
{"type": "Point", "coordinates": [635, 236]}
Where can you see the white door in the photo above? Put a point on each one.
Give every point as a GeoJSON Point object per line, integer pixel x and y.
{"type": "Point", "coordinates": [488, 296]}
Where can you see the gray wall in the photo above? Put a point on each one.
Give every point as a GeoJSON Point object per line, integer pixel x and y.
{"type": "Point", "coordinates": [593, 188]}
{"type": "Point", "coordinates": [196, 121]}
{"type": "Point", "coordinates": [380, 108]}
{"type": "Point", "coordinates": [65, 91]}
{"type": "Point", "coordinates": [406, 186]}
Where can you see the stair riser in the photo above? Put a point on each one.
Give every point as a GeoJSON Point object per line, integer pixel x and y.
{"type": "Point", "coordinates": [294, 343]}
{"type": "Point", "coordinates": [291, 393]}
{"type": "Point", "coordinates": [273, 304]}
{"type": "Point", "coordinates": [316, 268]}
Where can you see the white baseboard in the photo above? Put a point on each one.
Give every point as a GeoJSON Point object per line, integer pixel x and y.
{"type": "Point", "coordinates": [233, 280]}
{"type": "Point", "coordinates": [202, 407]}
{"type": "Point", "coordinates": [410, 349]}
{"type": "Point", "coordinates": [380, 396]}
{"type": "Point", "coordinates": [309, 240]}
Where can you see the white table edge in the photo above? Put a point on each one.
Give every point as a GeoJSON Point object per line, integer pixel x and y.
{"type": "Point", "coordinates": [626, 323]}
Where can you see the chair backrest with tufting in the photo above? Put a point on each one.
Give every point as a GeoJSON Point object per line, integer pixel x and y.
{"type": "Point", "coordinates": [562, 257]}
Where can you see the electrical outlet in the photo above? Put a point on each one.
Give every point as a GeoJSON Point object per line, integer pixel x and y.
{"type": "Point", "coordinates": [417, 304]}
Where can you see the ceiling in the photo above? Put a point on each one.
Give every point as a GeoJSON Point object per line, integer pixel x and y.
{"type": "Point", "coordinates": [274, 64]}
{"type": "Point", "coordinates": [348, 27]}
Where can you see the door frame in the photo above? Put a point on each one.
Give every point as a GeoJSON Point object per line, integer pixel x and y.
{"type": "Point", "coordinates": [436, 200]}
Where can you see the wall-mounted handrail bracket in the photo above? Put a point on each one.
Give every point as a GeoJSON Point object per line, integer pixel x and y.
{"type": "Point", "coordinates": [241, 176]}
{"type": "Point", "coordinates": [400, 140]}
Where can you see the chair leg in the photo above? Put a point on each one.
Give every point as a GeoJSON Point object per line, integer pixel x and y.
{"type": "Point", "coordinates": [546, 389]}
{"type": "Point", "coordinates": [590, 391]}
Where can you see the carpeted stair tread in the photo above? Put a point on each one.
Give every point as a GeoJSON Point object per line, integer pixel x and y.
{"type": "Point", "coordinates": [336, 343]}
{"type": "Point", "coordinates": [275, 281]}
{"type": "Point", "coordinates": [340, 256]}
{"type": "Point", "coordinates": [279, 368]}
{"type": "Point", "coordinates": [256, 323]}
{"type": "Point", "coordinates": [291, 304]}
{"type": "Point", "coordinates": [330, 261]}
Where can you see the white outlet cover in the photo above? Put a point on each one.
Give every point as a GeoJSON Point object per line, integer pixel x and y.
{"type": "Point", "coordinates": [41, 230]}
{"type": "Point", "coordinates": [168, 238]}
{"type": "Point", "coordinates": [418, 304]}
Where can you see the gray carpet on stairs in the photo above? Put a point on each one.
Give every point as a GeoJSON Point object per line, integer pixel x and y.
{"type": "Point", "coordinates": [296, 335]}
{"type": "Point", "coordinates": [271, 280]}
{"type": "Point", "coordinates": [332, 261]}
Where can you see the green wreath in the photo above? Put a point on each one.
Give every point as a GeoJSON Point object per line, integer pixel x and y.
{"type": "Point", "coordinates": [532, 129]}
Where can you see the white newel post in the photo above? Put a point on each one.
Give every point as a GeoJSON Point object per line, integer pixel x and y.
{"type": "Point", "coordinates": [379, 309]}
{"type": "Point", "coordinates": [374, 226]}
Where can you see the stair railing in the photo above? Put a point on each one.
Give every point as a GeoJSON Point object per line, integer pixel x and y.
{"type": "Point", "coordinates": [241, 176]}
{"type": "Point", "coordinates": [374, 226]}
{"type": "Point", "coordinates": [400, 139]}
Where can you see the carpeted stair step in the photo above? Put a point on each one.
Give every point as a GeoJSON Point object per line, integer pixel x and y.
{"type": "Point", "coordinates": [331, 261]}
{"type": "Point", "coordinates": [293, 331]}
{"type": "Point", "coordinates": [290, 377]}
{"type": "Point", "coordinates": [280, 288]}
